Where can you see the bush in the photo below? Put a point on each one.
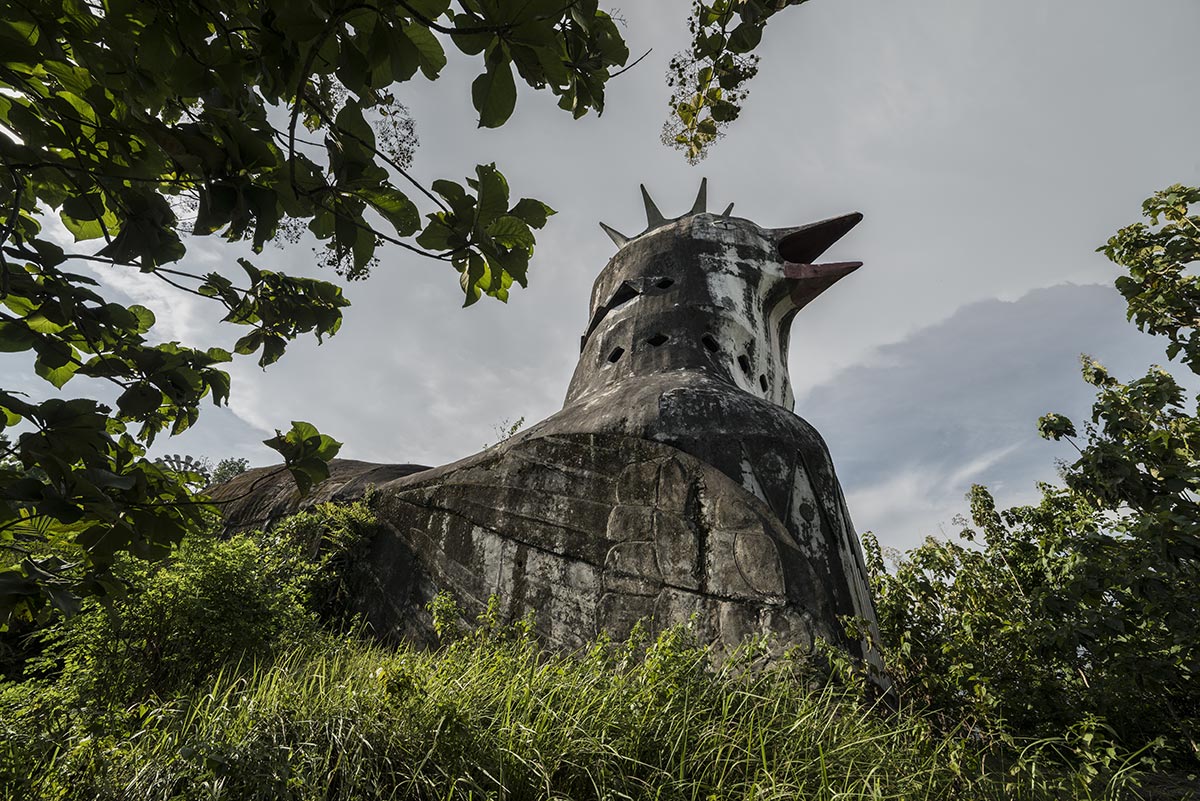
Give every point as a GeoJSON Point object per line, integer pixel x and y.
{"type": "Point", "coordinates": [1010, 631]}
{"type": "Point", "coordinates": [1083, 611]}
{"type": "Point", "coordinates": [216, 608]}
{"type": "Point", "coordinates": [214, 603]}
{"type": "Point", "coordinates": [326, 549]}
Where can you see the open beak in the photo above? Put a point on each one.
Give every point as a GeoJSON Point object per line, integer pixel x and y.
{"type": "Point", "coordinates": [800, 247]}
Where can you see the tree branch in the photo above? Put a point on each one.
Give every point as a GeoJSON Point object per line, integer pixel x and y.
{"type": "Point", "coordinates": [627, 68]}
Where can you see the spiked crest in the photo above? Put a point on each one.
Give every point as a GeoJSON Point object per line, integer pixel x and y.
{"type": "Point", "coordinates": [655, 218]}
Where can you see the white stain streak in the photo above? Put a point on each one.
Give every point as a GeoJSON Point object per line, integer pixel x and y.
{"type": "Point", "coordinates": [750, 481]}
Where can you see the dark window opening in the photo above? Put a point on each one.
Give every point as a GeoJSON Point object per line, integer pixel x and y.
{"type": "Point", "coordinates": [744, 363]}
{"type": "Point", "coordinates": [709, 343]}
{"type": "Point", "coordinates": [762, 382]}
{"type": "Point", "coordinates": [624, 294]}
{"type": "Point", "coordinates": [665, 283]}
{"type": "Point", "coordinates": [596, 318]}
{"type": "Point", "coordinates": [658, 339]}
{"type": "Point", "coordinates": [615, 355]}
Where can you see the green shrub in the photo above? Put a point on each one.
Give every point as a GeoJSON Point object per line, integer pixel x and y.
{"type": "Point", "coordinates": [325, 548]}
{"type": "Point", "coordinates": [217, 606]}
{"type": "Point", "coordinates": [1012, 631]}
{"type": "Point", "coordinates": [214, 603]}
{"type": "Point", "coordinates": [1082, 612]}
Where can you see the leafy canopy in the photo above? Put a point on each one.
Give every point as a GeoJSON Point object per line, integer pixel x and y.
{"type": "Point", "coordinates": [128, 125]}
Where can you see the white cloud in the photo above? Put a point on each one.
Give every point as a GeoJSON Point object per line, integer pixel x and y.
{"type": "Point", "coordinates": [981, 464]}
{"type": "Point", "coordinates": [919, 499]}
{"type": "Point", "coordinates": [956, 403]}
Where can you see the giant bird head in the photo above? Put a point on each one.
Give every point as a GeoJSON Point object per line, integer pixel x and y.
{"type": "Point", "coordinates": [707, 292]}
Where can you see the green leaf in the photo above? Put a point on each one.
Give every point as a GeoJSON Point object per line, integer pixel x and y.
{"type": "Point", "coordinates": [350, 119]}
{"type": "Point", "coordinates": [273, 349]}
{"type": "Point", "coordinates": [306, 453]}
{"type": "Point", "coordinates": [462, 204]}
{"type": "Point", "coordinates": [53, 352]}
{"type": "Point", "coordinates": [511, 232]}
{"type": "Point", "coordinates": [93, 218]}
{"type": "Point", "coordinates": [215, 209]}
{"type": "Point", "coordinates": [15, 336]}
{"type": "Point", "coordinates": [429, 9]}
{"type": "Point", "coordinates": [494, 93]}
{"type": "Point", "coordinates": [58, 376]}
{"type": "Point", "coordinates": [471, 43]}
{"type": "Point", "coordinates": [474, 278]}
{"type": "Point", "coordinates": [249, 343]}
{"type": "Point", "coordinates": [13, 582]}
{"type": "Point", "coordinates": [396, 208]}
{"type": "Point", "coordinates": [493, 195]}
{"type": "Point", "coordinates": [363, 249]}
{"type": "Point", "coordinates": [437, 235]}
{"type": "Point", "coordinates": [745, 37]}
{"type": "Point", "coordinates": [429, 50]}
{"type": "Point", "coordinates": [304, 431]}
{"type": "Point", "coordinates": [533, 212]}
{"type": "Point", "coordinates": [145, 318]}
{"type": "Point", "coordinates": [140, 399]}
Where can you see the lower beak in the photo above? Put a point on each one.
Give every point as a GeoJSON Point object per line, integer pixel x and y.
{"type": "Point", "coordinates": [806, 281]}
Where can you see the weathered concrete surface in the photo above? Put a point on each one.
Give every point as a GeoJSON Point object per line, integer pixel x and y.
{"type": "Point", "coordinates": [675, 482]}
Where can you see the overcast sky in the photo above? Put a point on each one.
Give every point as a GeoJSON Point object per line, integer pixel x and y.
{"type": "Point", "coordinates": [992, 147]}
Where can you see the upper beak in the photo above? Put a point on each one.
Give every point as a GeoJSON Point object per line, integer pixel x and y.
{"type": "Point", "coordinates": [801, 246]}
{"type": "Point", "coordinates": [806, 243]}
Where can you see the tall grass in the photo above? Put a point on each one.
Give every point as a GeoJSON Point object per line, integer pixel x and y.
{"type": "Point", "coordinates": [494, 717]}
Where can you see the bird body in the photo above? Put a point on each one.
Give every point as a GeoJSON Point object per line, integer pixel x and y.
{"type": "Point", "coordinates": [676, 483]}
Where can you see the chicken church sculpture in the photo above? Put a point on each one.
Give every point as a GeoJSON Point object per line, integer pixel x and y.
{"type": "Point", "coordinates": [676, 483]}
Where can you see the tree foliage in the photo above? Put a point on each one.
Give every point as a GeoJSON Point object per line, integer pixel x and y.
{"type": "Point", "coordinates": [708, 81]}
{"type": "Point", "coordinates": [120, 119]}
{"type": "Point", "coordinates": [1086, 606]}
{"type": "Point", "coordinates": [227, 468]}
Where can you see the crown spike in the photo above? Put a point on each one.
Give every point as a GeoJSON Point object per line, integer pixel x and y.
{"type": "Point", "coordinates": [701, 204]}
{"type": "Point", "coordinates": [654, 217]}
{"type": "Point", "coordinates": [728, 210]}
{"type": "Point", "coordinates": [616, 236]}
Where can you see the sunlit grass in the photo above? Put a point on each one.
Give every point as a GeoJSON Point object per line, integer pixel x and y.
{"type": "Point", "coordinates": [494, 716]}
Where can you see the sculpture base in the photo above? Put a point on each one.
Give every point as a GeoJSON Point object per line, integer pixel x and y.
{"type": "Point", "coordinates": [589, 532]}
